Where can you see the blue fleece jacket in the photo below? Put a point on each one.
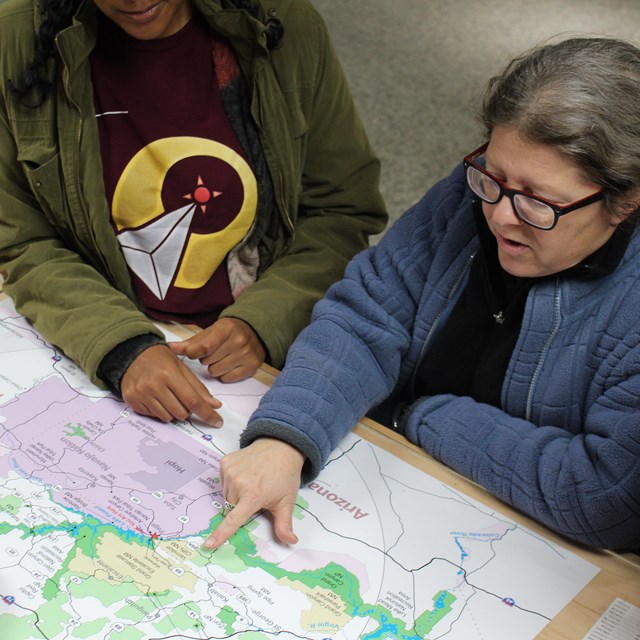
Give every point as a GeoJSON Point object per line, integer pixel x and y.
{"type": "Point", "coordinates": [563, 448]}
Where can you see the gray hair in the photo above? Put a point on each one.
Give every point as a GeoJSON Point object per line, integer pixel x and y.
{"type": "Point", "coordinates": [581, 97]}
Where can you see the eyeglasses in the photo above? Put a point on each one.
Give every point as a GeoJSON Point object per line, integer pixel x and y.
{"type": "Point", "coordinates": [532, 210]}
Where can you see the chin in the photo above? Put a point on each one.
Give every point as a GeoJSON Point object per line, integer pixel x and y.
{"type": "Point", "coordinates": [520, 270]}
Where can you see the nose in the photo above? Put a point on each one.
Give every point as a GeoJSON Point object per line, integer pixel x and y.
{"type": "Point", "coordinates": [503, 214]}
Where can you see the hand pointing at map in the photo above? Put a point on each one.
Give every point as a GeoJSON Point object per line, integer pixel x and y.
{"type": "Point", "coordinates": [229, 348]}
{"type": "Point", "coordinates": [160, 385]}
{"type": "Point", "coordinates": [264, 475]}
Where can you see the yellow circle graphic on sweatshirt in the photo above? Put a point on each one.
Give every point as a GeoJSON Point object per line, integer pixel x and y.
{"type": "Point", "coordinates": [141, 183]}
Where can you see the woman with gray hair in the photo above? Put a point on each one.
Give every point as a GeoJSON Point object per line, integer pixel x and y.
{"type": "Point", "coordinates": [496, 324]}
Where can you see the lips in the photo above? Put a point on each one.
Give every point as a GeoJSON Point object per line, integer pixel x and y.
{"type": "Point", "coordinates": [511, 247]}
{"type": "Point", "coordinates": [514, 243]}
{"type": "Point", "coordinates": [145, 13]}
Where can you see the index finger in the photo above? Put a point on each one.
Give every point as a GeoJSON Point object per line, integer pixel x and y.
{"type": "Point", "coordinates": [235, 519]}
{"type": "Point", "coordinates": [196, 398]}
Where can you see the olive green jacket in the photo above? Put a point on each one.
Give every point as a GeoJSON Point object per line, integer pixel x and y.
{"type": "Point", "coordinates": [58, 253]}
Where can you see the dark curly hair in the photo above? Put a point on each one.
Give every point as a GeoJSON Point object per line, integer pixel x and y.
{"type": "Point", "coordinates": [33, 88]}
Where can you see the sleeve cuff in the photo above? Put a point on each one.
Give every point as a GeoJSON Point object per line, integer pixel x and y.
{"type": "Point", "coordinates": [117, 361]}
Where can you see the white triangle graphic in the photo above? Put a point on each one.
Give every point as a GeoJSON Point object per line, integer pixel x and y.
{"type": "Point", "coordinates": [153, 252]}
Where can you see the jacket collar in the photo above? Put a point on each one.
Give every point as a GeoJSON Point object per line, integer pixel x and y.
{"type": "Point", "coordinates": [76, 42]}
{"type": "Point", "coordinates": [248, 33]}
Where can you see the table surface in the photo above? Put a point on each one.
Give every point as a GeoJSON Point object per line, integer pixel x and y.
{"type": "Point", "coordinates": [619, 575]}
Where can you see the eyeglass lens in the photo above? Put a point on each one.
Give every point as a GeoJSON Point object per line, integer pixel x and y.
{"type": "Point", "coordinates": [530, 210]}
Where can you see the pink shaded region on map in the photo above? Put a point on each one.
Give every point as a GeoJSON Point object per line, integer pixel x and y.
{"type": "Point", "coordinates": [136, 473]}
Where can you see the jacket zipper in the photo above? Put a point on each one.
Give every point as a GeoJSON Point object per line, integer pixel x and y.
{"type": "Point", "coordinates": [543, 352]}
{"type": "Point", "coordinates": [76, 174]}
{"type": "Point", "coordinates": [281, 187]}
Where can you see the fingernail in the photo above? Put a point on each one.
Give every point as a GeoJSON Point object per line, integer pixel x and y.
{"type": "Point", "coordinates": [218, 423]}
{"type": "Point", "coordinates": [209, 543]}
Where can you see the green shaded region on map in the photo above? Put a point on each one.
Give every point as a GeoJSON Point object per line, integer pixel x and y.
{"type": "Point", "coordinates": [75, 430]}
{"type": "Point", "coordinates": [341, 588]}
{"type": "Point", "coordinates": [443, 602]}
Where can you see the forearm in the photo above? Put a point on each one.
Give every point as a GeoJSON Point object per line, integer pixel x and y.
{"type": "Point", "coordinates": [72, 305]}
{"type": "Point", "coordinates": [579, 485]}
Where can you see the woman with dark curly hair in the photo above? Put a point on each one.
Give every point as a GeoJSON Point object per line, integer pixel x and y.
{"type": "Point", "coordinates": [496, 324]}
{"type": "Point", "coordinates": [198, 161]}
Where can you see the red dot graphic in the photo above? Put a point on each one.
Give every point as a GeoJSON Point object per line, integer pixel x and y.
{"type": "Point", "coordinates": [202, 195]}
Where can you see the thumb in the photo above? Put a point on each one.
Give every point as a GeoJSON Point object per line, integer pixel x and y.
{"type": "Point", "coordinates": [283, 522]}
{"type": "Point", "coordinates": [177, 347]}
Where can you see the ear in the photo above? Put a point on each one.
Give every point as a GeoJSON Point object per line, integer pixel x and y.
{"type": "Point", "coordinates": [627, 205]}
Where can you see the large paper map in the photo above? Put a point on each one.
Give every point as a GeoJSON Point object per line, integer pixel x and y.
{"type": "Point", "coordinates": [102, 515]}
